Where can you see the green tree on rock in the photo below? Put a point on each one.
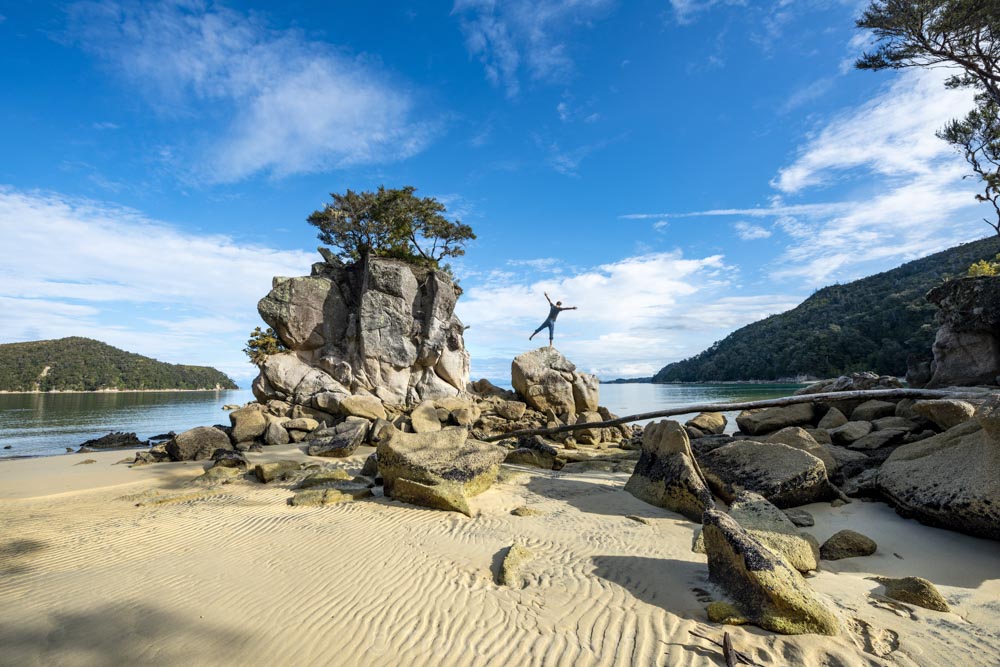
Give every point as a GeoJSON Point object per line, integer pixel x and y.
{"type": "Point", "coordinates": [390, 223]}
{"type": "Point", "coordinates": [263, 344]}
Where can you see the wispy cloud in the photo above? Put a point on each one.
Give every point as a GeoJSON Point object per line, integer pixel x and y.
{"type": "Point", "coordinates": [903, 190]}
{"type": "Point", "coordinates": [748, 232]}
{"type": "Point", "coordinates": [71, 267]}
{"type": "Point", "coordinates": [686, 11]}
{"type": "Point", "coordinates": [515, 38]}
{"type": "Point", "coordinates": [284, 104]}
{"type": "Point", "coordinates": [807, 94]}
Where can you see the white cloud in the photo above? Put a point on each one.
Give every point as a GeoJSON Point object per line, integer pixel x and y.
{"type": "Point", "coordinates": [749, 232]}
{"type": "Point", "coordinates": [286, 105]}
{"type": "Point", "coordinates": [71, 267]}
{"type": "Point", "coordinates": [686, 11]}
{"type": "Point", "coordinates": [634, 315]}
{"type": "Point", "coordinates": [524, 35]}
{"type": "Point", "coordinates": [891, 135]}
{"type": "Point", "coordinates": [807, 94]}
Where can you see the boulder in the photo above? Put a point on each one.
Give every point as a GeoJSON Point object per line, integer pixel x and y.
{"type": "Point", "coordinates": [546, 380]}
{"type": "Point", "coordinates": [877, 439]}
{"type": "Point", "coordinates": [948, 480]}
{"type": "Point", "coordinates": [800, 517]}
{"type": "Point", "coordinates": [914, 590]}
{"type": "Point", "coordinates": [440, 469]}
{"type": "Point", "coordinates": [945, 412]}
{"type": "Point", "coordinates": [775, 530]}
{"type": "Point", "coordinates": [323, 478]}
{"type": "Point", "coordinates": [832, 419]}
{"type": "Point", "coordinates": [589, 436]}
{"type": "Point", "coordinates": [767, 420]}
{"type": "Point", "coordinates": [296, 309]}
{"type": "Point", "coordinates": [667, 475]}
{"type": "Point", "coordinates": [510, 410]}
{"type": "Point", "coordinates": [895, 424]}
{"type": "Point", "coordinates": [849, 432]}
{"type": "Point", "coordinates": [275, 434]}
{"type": "Point", "coordinates": [301, 424]}
{"type": "Point", "coordinates": [768, 591]}
{"type": "Point", "coordinates": [872, 410]}
{"type": "Point", "coordinates": [534, 451]}
{"type": "Point", "coordinates": [268, 472]}
{"type": "Point", "coordinates": [424, 418]}
{"type": "Point", "coordinates": [369, 407]}
{"type": "Point", "coordinates": [513, 561]}
{"type": "Point", "coordinates": [197, 443]}
{"type": "Point", "coordinates": [339, 441]}
{"type": "Point", "coordinates": [967, 346]}
{"type": "Point", "coordinates": [799, 438]}
{"type": "Point", "coordinates": [115, 440]}
{"type": "Point", "coordinates": [248, 423]}
{"type": "Point", "coordinates": [709, 423]}
{"type": "Point", "coordinates": [229, 458]}
{"type": "Point", "coordinates": [786, 476]}
{"type": "Point", "coordinates": [847, 544]}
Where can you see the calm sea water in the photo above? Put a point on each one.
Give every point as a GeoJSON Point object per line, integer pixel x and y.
{"type": "Point", "coordinates": [46, 424]}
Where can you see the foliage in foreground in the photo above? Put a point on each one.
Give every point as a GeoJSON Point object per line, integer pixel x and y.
{"type": "Point", "coordinates": [870, 324]}
{"type": "Point", "coordinates": [83, 364]}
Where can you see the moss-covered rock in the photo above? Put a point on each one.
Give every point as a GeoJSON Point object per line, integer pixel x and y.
{"type": "Point", "coordinates": [767, 590]}
{"type": "Point", "coordinates": [847, 544]}
{"type": "Point", "coordinates": [786, 476]}
{"type": "Point", "coordinates": [914, 590]}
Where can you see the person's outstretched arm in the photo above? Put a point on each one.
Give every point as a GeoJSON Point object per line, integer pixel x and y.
{"type": "Point", "coordinates": [547, 297]}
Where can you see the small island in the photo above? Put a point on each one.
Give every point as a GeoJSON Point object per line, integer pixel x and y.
{"type": "Point", "coordinates": [83, 364]}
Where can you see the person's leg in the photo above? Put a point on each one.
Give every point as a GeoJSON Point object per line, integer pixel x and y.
{"type": "Point", "coordinates": [552, 330]}
{"type": "Point", "coordinates": [544, 324]}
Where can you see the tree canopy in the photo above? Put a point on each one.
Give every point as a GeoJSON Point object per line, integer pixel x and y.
{"type": "Point", "coordinates": [390, 223]}
{"type": "Point", "coordinates": [263, 344]}
{"type": "Point", "coordinates": [959, 34]}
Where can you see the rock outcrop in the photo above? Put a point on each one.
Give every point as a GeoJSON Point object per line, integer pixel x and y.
{"type": "Point", "coordinates": [197, 443]}
{"type": "Point", "coordinates": [546, 380]}
{"type": "Point", "coordinates": [769, 592]}
{"type": "Point", "coordinates": [967, 345]}
{"type": "Point", "coordinates": [667, 475]}
{"type": "Point", "coordinates": [381, 329]}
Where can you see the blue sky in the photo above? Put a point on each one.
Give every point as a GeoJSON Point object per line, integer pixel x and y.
{"type": "Point", "coordinates": [674, 168]}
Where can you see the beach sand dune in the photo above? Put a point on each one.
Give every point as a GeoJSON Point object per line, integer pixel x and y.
{"type": "Point", "coordinates": [105, 565]}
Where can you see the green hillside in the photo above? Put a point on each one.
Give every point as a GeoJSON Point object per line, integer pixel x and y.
{"type": "Point", "coordinates": [870, 324]}
{"type": "Point", "coordinates": [82, 364]}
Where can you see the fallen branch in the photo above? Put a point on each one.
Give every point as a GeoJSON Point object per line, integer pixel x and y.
{"type": "Point", "coordinates": [728, 652]}
{"type": "Point", "coordinates": [743, 405]}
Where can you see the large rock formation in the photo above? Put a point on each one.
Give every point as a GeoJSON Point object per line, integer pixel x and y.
{"type": "Point", "coordinates": [967, 346]}
{"type": "Point", "coordinates": [667, 475]}
{"type": "Point", "coordinates": [546, 380]}
{"type": "Point", "coordinates": [381, 328]}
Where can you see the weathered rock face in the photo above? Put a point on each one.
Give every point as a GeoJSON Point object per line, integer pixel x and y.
{"type": "Point", "coordinates": [667, 475]}
{"type": "Point", "coordinates": [546, 380]}
{"type": "Point", "coordinates": [949, 480]}
{"type": "Point", "coordinates": [775, 530]}
{"type": "Point", "coordinates": [769, 592]}
{"type": "Point", "coordinates": [786, 476]}
{"type": "Point", "coordinates": [967, 345]}
{"type": "Point", "coordinates": [382, 327]}
{"type": "Point", "coordinates": [441, 469]}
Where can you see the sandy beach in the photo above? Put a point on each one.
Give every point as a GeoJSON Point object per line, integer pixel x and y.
{"type": "Point", "coordinates": [102, 564]}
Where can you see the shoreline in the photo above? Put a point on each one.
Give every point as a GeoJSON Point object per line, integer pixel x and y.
{"type": "Point", "coordinates": [113, 391]}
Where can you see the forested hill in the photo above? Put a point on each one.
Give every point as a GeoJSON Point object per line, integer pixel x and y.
{"type": "Point", "coordinates": [82, 364]}
{"type": "Point", "coordinates": [869, 324]}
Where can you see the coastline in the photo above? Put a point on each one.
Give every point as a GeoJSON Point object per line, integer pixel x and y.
{"type": "Point", "coordinates": [113, 391]}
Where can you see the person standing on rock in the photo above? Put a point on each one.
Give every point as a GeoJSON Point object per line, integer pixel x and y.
{"type": "Point", "coordinates": [550, 321]}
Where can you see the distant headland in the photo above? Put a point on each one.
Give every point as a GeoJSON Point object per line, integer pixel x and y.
{"type": "Point", "coordinates": [77, 364]}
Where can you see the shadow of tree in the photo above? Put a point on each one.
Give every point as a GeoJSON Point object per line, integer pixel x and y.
{"type": "Point", "coordinates": [117, 634]}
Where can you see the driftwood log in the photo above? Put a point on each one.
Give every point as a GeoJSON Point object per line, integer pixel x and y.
{"type": "Point", "coordinates": [744, 405]}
